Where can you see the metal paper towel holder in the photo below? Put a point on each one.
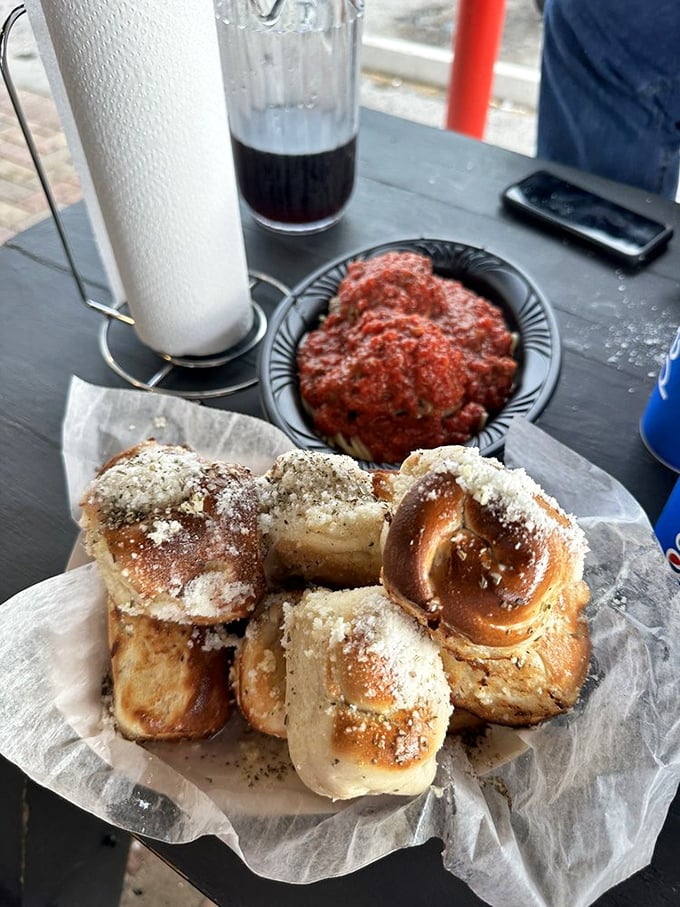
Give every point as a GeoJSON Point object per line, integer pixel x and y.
{"type": "Point", "coordinates": [140, 357]}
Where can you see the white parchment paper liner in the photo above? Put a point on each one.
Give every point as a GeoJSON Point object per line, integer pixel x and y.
{"type": "Point", "coordinates": [577, 811]}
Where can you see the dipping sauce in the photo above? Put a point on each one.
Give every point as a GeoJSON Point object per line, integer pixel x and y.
{"type": "Point", "coordinates": [404, 360]}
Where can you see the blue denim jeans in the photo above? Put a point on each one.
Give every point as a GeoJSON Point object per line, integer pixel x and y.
{"type": "Point", "coordinates": [610, 90]}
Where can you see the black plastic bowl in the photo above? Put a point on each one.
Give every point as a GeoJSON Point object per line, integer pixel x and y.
{"type": "Point", "coordinates": [526, 311]}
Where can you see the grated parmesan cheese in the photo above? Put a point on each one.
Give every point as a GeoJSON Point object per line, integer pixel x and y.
{"type": "Point", "coordinates": [154, 479]}
{"type": "Point", "coordinates": [373, 631]}
{"type": "Point", "coordinates": [318, 490]}
{"type": "Point", "coordinates": [511, 493]}
{"type": "Point", "coordinates": [164, 530]}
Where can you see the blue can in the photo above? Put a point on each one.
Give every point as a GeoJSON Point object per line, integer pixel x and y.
{"type": "Point", "coordinates": [660, 424]}
{"type": "Point", "coordinates": [667, 529]}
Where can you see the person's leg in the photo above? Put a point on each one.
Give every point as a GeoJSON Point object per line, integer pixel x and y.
{"type": "Point", "coordinates": [610, 90]}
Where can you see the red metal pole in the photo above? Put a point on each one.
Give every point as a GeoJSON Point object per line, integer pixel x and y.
{"type": "Point", "coordinates": [475, 49]}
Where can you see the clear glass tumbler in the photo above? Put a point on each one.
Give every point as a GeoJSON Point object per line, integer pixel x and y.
{"type": "Point", "coordinates": [291, 72]}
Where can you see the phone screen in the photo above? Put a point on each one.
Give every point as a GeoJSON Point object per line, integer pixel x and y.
{"type": "Point", "coordinates": [624, 232]}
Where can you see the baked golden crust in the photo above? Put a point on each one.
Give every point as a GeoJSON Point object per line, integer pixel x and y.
{"type": "Point", "coordinates": [170, 681]}
{"type": "Point", "coordinates": [321, 519]}
{"type": "Point", "coordinates": [481, 605]}
{"type": "Point", "coordinates": [367, 699]}
{"type": "Point", "coordinates": [258, 674]}
{"type": "Point", "coordinates": [530, 683]}
{"type": "Point", "coordinates": [175, 536]}
{"type": "Point", "coordinates": [493, 568]}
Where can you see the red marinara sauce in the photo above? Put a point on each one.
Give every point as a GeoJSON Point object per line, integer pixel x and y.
{"type": "Point", "coordinates": [404, 360]}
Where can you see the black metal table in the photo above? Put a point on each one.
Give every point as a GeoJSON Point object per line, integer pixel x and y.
{"type": "Point", "coordinates": [414, 181]}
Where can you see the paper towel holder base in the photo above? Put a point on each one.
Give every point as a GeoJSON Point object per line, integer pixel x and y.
{"type": "Point", "coordinates": [114, 313]}
{"type": "Point", "coordinates": [127, 356]}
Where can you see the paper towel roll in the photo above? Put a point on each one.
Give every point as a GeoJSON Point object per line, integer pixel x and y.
{"type": "Point", "coordinates": [147, 114]}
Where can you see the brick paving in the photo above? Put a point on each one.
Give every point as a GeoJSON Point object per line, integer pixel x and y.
{"type": "Point", "coordinates": [22, 200]}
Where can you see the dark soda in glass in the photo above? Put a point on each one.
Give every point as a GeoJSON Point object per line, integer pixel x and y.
{"type": "Point", "coordinates": [306, 189]}
{"type": "Point", "coordinates": [291, 76]}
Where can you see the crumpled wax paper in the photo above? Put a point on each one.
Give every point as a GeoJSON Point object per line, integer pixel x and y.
{"type": "Point", "coordinates": [554, 818]}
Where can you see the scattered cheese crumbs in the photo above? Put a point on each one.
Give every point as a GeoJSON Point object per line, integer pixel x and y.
{"type": "Point", "coordinates": [163, 530]}
{"type": "Point", "coordinates": [154, 479]}
{"type": "Point", "coordinates": [317, 489]}
{"type": "Point", "coordinates": [214, 639]}
{"type": "Point", "coordinates": [370, 630]}
{"type": "Point", "coordinates": [195, 504]}
{"type": "Point", "coordinates": [230, 501]}
{"type": "Point", "coordinates": [209, 594]}
{"type": "Point", "coordinates": [268, 663]}
{"type": "Point", "coordinates": [512, 493]}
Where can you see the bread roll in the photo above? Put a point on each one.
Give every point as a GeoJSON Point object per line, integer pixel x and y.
{"type": "Point", "coordinates": [170, 681]}
{"type": "Point", "coordinates": [526, 684]}
{"type": "Point", "coordinates": [259, 671]}
{"type": "Point", "coordinates": [367, 699]}
{"type": "Point", "coordinates": [493, 568]}
{"type": "Point", "coordinates": [175, 536]}
{"type": "Point", "coordinates": [321, 519]}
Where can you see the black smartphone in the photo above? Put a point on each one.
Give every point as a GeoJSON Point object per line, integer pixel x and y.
{"type": "Point", "coordinates": [629, 237]}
